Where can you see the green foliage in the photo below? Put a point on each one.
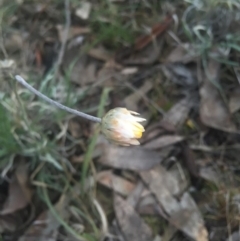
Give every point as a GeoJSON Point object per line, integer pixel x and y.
{"type": "Point", "coordinates": [109, 27]}
{"type": "Point", "coordinates": [8, 144]}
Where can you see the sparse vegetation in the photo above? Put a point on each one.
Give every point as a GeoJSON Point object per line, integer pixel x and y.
{"type": "Point", "coordinates": [176, 63]}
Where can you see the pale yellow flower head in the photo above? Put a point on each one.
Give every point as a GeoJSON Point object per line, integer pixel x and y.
{"type": "Point", "coordinates": [121, 127]}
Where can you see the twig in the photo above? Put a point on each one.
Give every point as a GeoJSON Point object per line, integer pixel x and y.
{"type": "Point", "coordinates": [55, 103]}
{"type": "Point", "coordinates": [65, 38]}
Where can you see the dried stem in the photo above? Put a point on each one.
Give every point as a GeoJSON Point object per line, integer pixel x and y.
{"type": "Point", "coordinates": [55, 103]}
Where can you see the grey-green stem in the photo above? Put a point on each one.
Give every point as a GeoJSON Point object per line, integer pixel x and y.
{"type": "Point", "coordinates": [55, 103]}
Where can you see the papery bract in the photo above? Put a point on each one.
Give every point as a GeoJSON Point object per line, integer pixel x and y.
{"type": "Point", "coordinates": [121, 126]}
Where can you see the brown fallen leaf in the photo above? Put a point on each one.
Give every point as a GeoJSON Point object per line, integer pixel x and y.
{"type": "Point", "coordinates": [156, 31]}
{"type": "Point", "coordinates": [117, 183]}
{"type": "Point", "coordinates": [213, 111]}
{"type": "Point", "coordinates": [130, 223]}
{"type": "Point", "coordinates": [182, 212]}
{"type": "Point", "coordinates": [19, 191]}
{"type": "Point", "coordinates": [163, 141]}
{"type": "Point", "coordinates": [142, 43]}
{"type": "Point", "coordinates": [131, 158]}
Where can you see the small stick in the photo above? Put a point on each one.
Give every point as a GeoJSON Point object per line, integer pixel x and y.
{"type": "Point", "coordinates": [55, 103]}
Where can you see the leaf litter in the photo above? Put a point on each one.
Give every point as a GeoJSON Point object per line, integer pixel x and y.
{"type": "Point", "coordinates": [189, 148]}
{"type": "Point", "coordinates": [213, 111]}
{"type": "Point", "coordinates": [182, 211]}
{"type": "Point", "coordinates": [131, 224]}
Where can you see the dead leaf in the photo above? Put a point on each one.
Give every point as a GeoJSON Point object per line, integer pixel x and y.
{"type": "Point", "coordinates": [117, 183]}
{"type": "Point", "coordinates": [135, 195]}
{"type": "Point", "coordinates": [182, 53]}
{"type": "Point", "coordinates": [45, 227]}
{"type": "Point", "coordinates": [14, 42]}
{"type": "Point", "coordinates": [72, 32]}
{"type": "Point", "coordinates": [131, 158]}
{"type": "Point", "coordinates": [131, 224]}
{"type": "Point", "coordinates": [132, 100]}
{"type": "Point", "coordinates": [75, 128]}
{"type": "Point", "coordinates": [19, 191]}
{"type": "Point", "coordinates": [155, 32]}
{"type": "Point", "coordinates": [180, 74]}
{"type": "Point", "coordinates": [234, 237]}
{"type": "Point", "coordinates": [190, 161]}
{"type": "Point", "coordinates": [147, 56]}
{"type": "Point", "coordinates": [148, 205]}
{"type": "Point", "coordinates": [178, 114]}
{"type": "Point", "coordinates": [108, 72]}
{"type": "Point", "coordinates": [9, 223]}
{"type": "Point", "coordinates": [234, 102]}
{"type": "Point", "coordinates": [213, 111]}
{"type": "Point", "coordinates": [182, 212]}
{"type": "Point", "coordinates": [7, 64]}
{"type": "Point", "coordinates": [163, 141]}
{"type": "Point", "coordinates": [209, 174]}
{"type": "Point", "coordinates": [100, 53]}
{"type": "Point", "coordinates": [153, 131]}
{"type": "Point", "coordinates": [83, 68]}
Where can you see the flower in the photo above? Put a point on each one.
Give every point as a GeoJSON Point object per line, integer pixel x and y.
{"type": "Point", "coordinates": [120, 126]}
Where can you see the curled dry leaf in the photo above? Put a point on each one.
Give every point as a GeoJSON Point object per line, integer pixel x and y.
{"type": "Point", "coordinates": [182, 212]}
{"type": "Point", "coordinates": [213, 111]}
{"type": "Point", "coordinates": [131, 158]}
{"type": "Point", "coordinates": [130, 223]}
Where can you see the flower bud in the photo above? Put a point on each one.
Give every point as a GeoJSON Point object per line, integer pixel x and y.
{"type": "Point", "coordinates": [120, 126]}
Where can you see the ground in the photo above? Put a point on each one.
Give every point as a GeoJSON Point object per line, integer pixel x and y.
{"type": "Point", "coordinates": [174, 62]}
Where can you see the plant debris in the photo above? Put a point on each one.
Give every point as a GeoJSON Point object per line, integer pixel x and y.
{"type": "Point", "coordinates": [174, 62]}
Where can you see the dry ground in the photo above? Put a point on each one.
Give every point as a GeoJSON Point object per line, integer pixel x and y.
{"type": "Point", "coordinates": [175, 62]}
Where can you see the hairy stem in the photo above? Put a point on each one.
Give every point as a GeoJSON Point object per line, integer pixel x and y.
{"type": "Point", "coordinates": [55, 103]}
